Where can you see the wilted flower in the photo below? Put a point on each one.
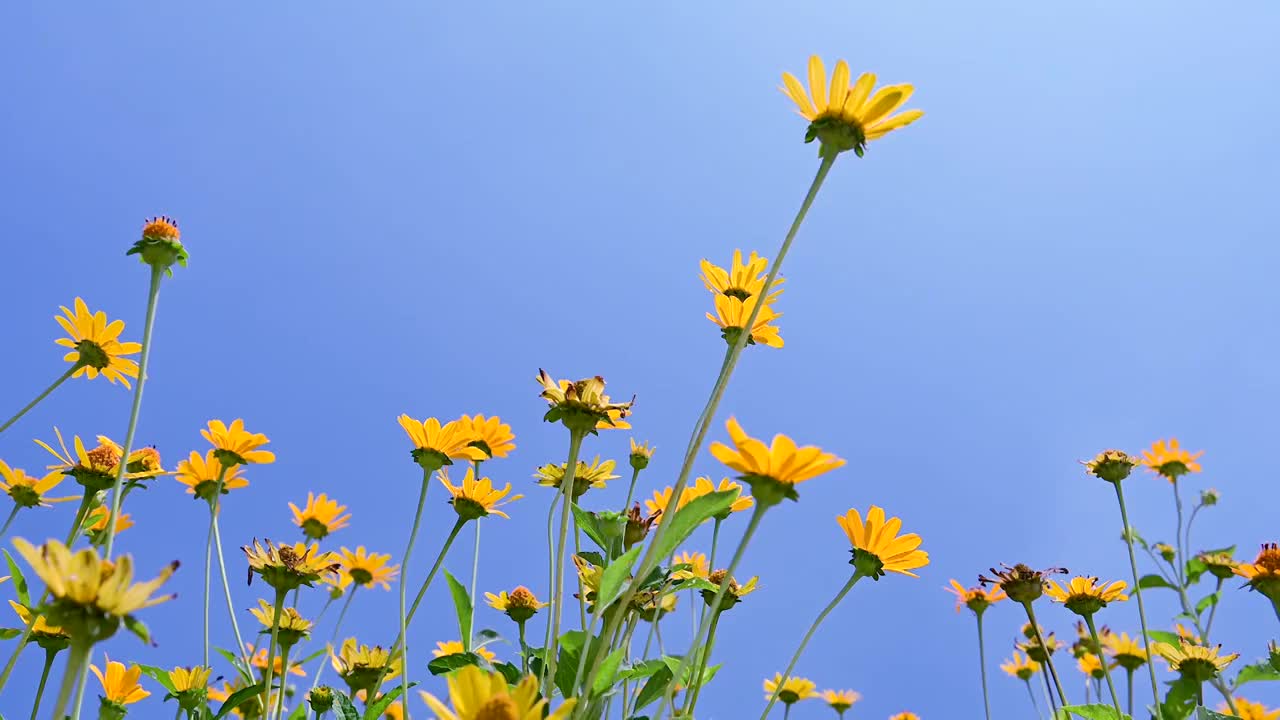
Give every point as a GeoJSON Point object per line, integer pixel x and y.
{"type": "Point", "coordinates": [1111, 465]}
{"type": "Point", "coordinates": [519, 605]}
{"type": "Point", "coordinates": [1020, 582]}
{"type": "Point", "coordinates": [582, 405]}
{"type": "Point", "coordinates": [733, 593]}
{"type": "Point", "coordinates": [161, 244]}
{"type": "Point", "coordinates": [287, 567]}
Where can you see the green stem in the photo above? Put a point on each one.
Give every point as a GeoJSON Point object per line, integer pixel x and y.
{"type": "Point", "coordinates": [1048, 693]}
{"type": "Point", "coordinates": [1213, 611]}
{"type": "Point", "coordinates": [475, 581]}
{"type": "Point", "coordinates": [1137, 593]}
{"type": "Point", "coordinates": [795, 658]}
{"type": "Point", "coordinates": [333, 639]}
{"type": "Point", "coordinates": [545, 680]}
{"type": "Point", "coordinates": [1106, 669]}
{"type": "Point", "coordinates": [117, 495]}
{"type": "Point", "coordinates": [444, 550]}
{"type": "Point", "coordinates": [557, 589]}
{"type": "Point", "coordinates": [786, 711]}
{"type": "Point", "coordinates": [1031, 694]}
{"type": "Point", "coordinates": [695, 683]}
{"type": "Point", "coordinates": [1179, 568]}
{"type": "Point", "coordinates": [284, 678]}
{"type": "Point", "coordinates": [61, 379]}
{"type": "Point", "coordinates": [231, 607]}
{"type": "Point", "coordinates": [78, 656]}
{"type": "Point", "coordinates": [982, 667]}
{"type": "Point", "coordinates": [524, 651]}
{"type": "Point", "coordinates": [582, 588]}
{"type": "Point", "coordinates": [49, 655]}
{"type": "Point", "coordinates": [1048, 658]}
{"type": "Point", "coordinates": [1129, 683]}
{"type": "Point", "coordinates": [1200, 694]}
{"type": "Point", "coordinates": [631, 490]}
{"type": "Point", "coordinates": [402, 642]}
{"type": "Point", "coordinates": [86, 502]}
{"type": "Point", "coordinates": [9, 520]}
{"type": "Point", "coordinates": [586, 650]}
{"type": "Point", "coordinates": [214, 506]}
{"type": "Point", "coordinates": [276, 608]}
{"type": "Point", "coordinates": [404, 576]}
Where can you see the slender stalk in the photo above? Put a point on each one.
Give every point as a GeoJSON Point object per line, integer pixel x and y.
{"type": "Point", "coordinates": [631, 489]}
{"type": "Point", "coordinates": [402, 642]}
{"type": "Point", "coordinates": [582, 588]}
{"type": "Point", "coordinates": [475, 582]}
{"type": "Point", "coordinates": [86, 502]}
{"type": "Point", "coordinates": [117, 492]}
{"type": "Point", "coordinates": [1200, 694]}
{"type": "Point", "coordinates": [1031, 694]}
{"type": "Point", "coordinates": [982, 667]}
{"type": "Point", "coordinates": [214, 505]}
{"type": "Point", "coordinates": [1129, 683]}
{"type": "Point", "coordinates": [76, 658]}
{"type": "Point", "coordinates": [1179, 568]}
{"type": "Point", "coordinates": [404, 577]}
{"type": "Point", "coordinates": [545, 680]}
{"type": "Point", "coordinates": [444, 550]}
{"type": "Point", "coordinates": [695, 683]}
{"type": "Point", "coordinates": [557, 589]}
{"type": "Point", "coordinates": [231, 607]}
{"type": "Point", "coordinates": [1048, 693]}
{"type": "Point", "coordinates": [1048, 658]}
{"type": "Point", "coordinates": [49, 655]}
{"type": "Point", "coordinates": [284, 678]}
{"type": "Point", "coordinates": [1137, 593]}
{"type": "Point", "coordinates": [524, 651]}
{"type": "Point", "coordinates": [1106, 670]}
{"type": "Point", "coordinates": [786, 712]}
{"type": "Point", "coordinates": [61, 379]}
{"type": "Point", "coordinates": [586, 649]}
{"type": "Point", "coordinates": [333, 639]}
{"type": "Point", "coordinates": [276, 608]}
{"type": "Point", "coordinates": [795, 658]}
{"type": "Point", "coordinates": [1213, 611]}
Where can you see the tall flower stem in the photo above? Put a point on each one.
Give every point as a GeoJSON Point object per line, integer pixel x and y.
{"type": "Point", "coordinates": [1048, 693]}
{"type": "Point", "coordinates": [1106, 669]}
{"type": "Point", "coordinates": [435, 568]}
{"type": "Point", "coordinates": [404, 577]}
{"type": "Point", "coordinates": [1179, 568]}
{"type": "Point", "coordinates": [49, 655]}
{"type": "Point", "coordinates": [701, 426]}
{"type": "Point", "coordinates": [1213, 611]}
{"type": "Point", "coordinates": [61, 379]}
{"type": "Point", "coordinates": [631, 489]}
{"type": "Point", "coordinates": [557, 589]}
{"type": "Point", "coordinates": [982, 666]}
{"type": "Point", "coordinates": [1048, 659]}
{"type": "Point", "coordinates": [551, 583]}
{"type": "Point", "coordinates": [1129, 684]}
{"type": "Point", "coordinates": [524, 650]}
{"type": "Point", "coordinates": [284, 678]}
{"type": "Point", "coordinates": [276, 608]}
{"type": "Point", "coordinates": [475, 571]}
{"type": "Point", "coordinates": [117, 492]}
{"type": "Point", "coordinates": [333, 639]}
{"type": "Point", "coordinates": [76, 658]}
{"type": "Point", "coordinates": [402, 642]}
{"type": "Point", "coordinates": [214, 505]}
{"type": "Point", "coordinates": [795, 658]}
{"type": "Point", "coordinates": [1031, 694]}
{"type": "Point", "coordinates": [695, 683]}
{"type": "Point", "coordinates": [9, 520]}
{"type": "Point", "coordinates": [1137, 593]}
{"type": "Point", "coordinates": [231, 607]}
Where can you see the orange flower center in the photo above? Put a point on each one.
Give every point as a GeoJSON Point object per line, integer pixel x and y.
{"type": "Point", "coordinates": [103, 457]}
{"type": "Point", "coordinates": [1269, 558]}
{"type": "Point", "coordinates": [161, 228]}
{"type": "Point", "coordinates": [501, 707]}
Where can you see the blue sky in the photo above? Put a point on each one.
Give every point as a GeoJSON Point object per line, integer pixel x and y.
{"type": "Point", "coordinates": [411, 207]}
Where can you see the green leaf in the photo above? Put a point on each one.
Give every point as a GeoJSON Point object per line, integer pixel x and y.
{"type": "Point", "coordinates": [615, 576]}
{"type": "Point", "coordinates": [509, 671]}
{"type": "Point", "coordinates": [641, 669]}
{"type": "Point", "coordinates": [138, 628]}
{"type": "Point", "coordinates": [461, 603]}
{"type": "Point", "coordinates": [1163, 636]}
{"type": "Point", "coordinates": [300, 712]}
{"type": "Point", "coordinates": [10, 633]}
{"type": "Point", "coordinates": [654, 688]}
{"type": "Point", "coordinates": [567, 663]}
{"type": "Point", "coordinates": [310, 657]}
{"type": "Point", "coordinates": [694, 583]}
{"type": "Point", "coordinates": [608, 671]}
{"type": "Point", "coordinates": [1180, 701]}
{"type": "Point", "coordinates": [592, 557]}
{"type": "Point", "coordinates": [602, 530]}
{"type": "Point", "coordinates": [343, 708]}
{"type": "Point", "coordinates": [709, 673]}
{"type": "Point", "coordinates": [1203, 713]}
{"type": "Point", "coordinates": [448, 663]}
{"type": "Point", "coordinates": [1095, 712]}
{"type": "Point", "coordinates": [1153, 581]}
{"type": "Point", "coordinates": [689, 517]}
{"type": "Point", "coordinates": [375, 710]}
{"type": "Point", "coordinates": [1207, 602]}
{"type": "Point", "coordinates": [237, 698]}
{"type": "Point", "coordinates": [1194, 570]}
{"type": "Point", "coordinates": [19, 580]}
{"type": "Point", "coordinates": [158, 674]}
{"type": "Point", "coordinates": [488, 635]}
{"type": "Point", "coordinates": [1256, 672]}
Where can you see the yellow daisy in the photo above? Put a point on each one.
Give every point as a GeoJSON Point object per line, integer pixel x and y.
{"type": "Point", "coordinates": [286, 567]}
{"type": "Point", "coordinates": [84, 583]}
{"type": "Point", "coordinates": [877, 546]}
{"type": "Point", "coordinates": [662, 498]}
{"type": "Point", "coordinates": [120, 685]}
{"type": "Point", "coordinates": [259, 661]}
{"type": "Point", "coordinates": [1126, 651]}
{"type": "Point", "coordinates": [94, 469]}
{"type": "Point", "coordinates": [1249, 710]}
{"type": "Point", "coordinates": [292, 627]}
{"type": "Point", "coordinates": [732, 315]}
{"type": "Point", "coordinates": [590, 575]}
{"type": "Point", "coordinates": [1091, 666]}
{"type": "Point", "coordinates": [1020, 666]}
{"type": "Point", "coordinates": [697, 563]}
{"type": "Point", "coordinates": [233, 445]}
{"type": "Point", "coordinates": [840, 700]}
{"type": "Point", "coordinates": [520, 604]}
{"type": "Point", "coordinates": [436, 445]}
{"type": "Point", "coordinates": [1194, 662]}
{"type": "Point", "coordinates": [641, 454]}
{"type": "Point", "coordinates": [792, 691]}
{"type": "Point", "coordinates": [733, 593]}
{"type": "Point", "coordinates": [1085, 595]}
{"type": "Point", "coordinates": [976, 598]}
{"type": "Point", "coordinates": [489, 435]}
{"type": "Point", "coordinates": [321, 516]}
{"type": "Point", "coordinates": [360, 666]}
{"type": "Point", "coordinates": [479, 695]}
{"type": "Point", "coordinates": [188, 679]}
{"type": "Point", "coordinates": [96, 346]}
{"type": "Point", "coordinates": [200, 475]}
{"type": "Point", "coordinates": [454, 647]}
{"type": "Point", "coordinates": [28, 492]}
{"type": "Point", "coordinates": [585, 475]}
{"type": "Point", "coordinates": [1169, 460]}
{"type": "Point", "coordinates": [774, 470]}
{"type": "Point", "coordinates": [365, 569]}
{"type": "Point", "coordinates": [741, 280]}
{"type": "Point", "coordinates": [49, 637]}
{"type": "Point", "coordinates": [847, 117]}
{"type": "Point", "coordinates": [703, 486]}
{"type": "Point", "coordinates": [476, 498]}
{"type": "Point", "coordinates": [1263, 573]}
{"type": "Point", "coordinates": [905, 716]}
{"type": "Point", "coordinates": [583, 404]}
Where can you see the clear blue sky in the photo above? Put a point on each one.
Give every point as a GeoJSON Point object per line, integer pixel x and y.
{"type": "Point", "coordinates": [411, 207]}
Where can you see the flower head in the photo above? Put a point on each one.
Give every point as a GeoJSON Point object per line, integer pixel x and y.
{"type": "Point", "coordinates": [292, 627]}
{"type": "Point", "coordinates": [321, 516]}
{"type": "Point", "coordinates": [641, 454]}
{"type": "Point", "coordinates": [703, 486]}
{"type": "Point", "coordinates": [732, 315]}
{"type": "Point", "coordinates": [259, 661]}
{"type": "Point", "coordinates": [590, 575]}
{"type": "Point", "coordinates": [476, 694]}
{"type": "Point", "coordinates": [436, 445]}
{"type": "Point", "coordinates": [233, 445]}
{"type": "Point", "coordinates": [848, 116]}
{"type": "Point", "coordinates": [190, 686]}
{"type": "Point", "coordinates": [99, 520]}
{"type": "Point", "coordinates": [454, 647]}
{"type": "Point", "coordinates": [489, 435]}
{"type": "Point", "coordinates": [976, 598]}
{"type": "Point", "coordinates": [773, 470]}
{"type": "Point", "coordinates": [1170, 461]}
{"type": "Point", "coordinates": [95, 345]}
{"type": "Point", "coordinates": [1033, 647]}
{"type": "Point", "coordinates": [28, 492]}
{"type": "Point", "coordinates": [1249, 710]}
{"type": "Point", "coordinates": [638, 525]}
{"type": "Point", "coordinates": [790, 692]}
{"type": "Point", "coordinates": [476, 498]}
{"type": "Point", "coordinates": [93, 469]}
{"type": "Point", "coordinates": [742, 280]}
{"type": "Point", "coordinates": [1085, 595]}
{"type": "Point", "coordinates": [365, 569]}
{"type": "Point", "coordinates": [321, 699]}
{"type": "Point", "coordinates": [49, 637]}
{"type": "Point", "coordinates": [661, 502]}
{"type": "Point", "coordinates": [733, 593]}
{"type": "Point", "coordinates": [840, 700]}
{"type": "Point", "coordinates": [1165, 550]}
{"type": "Point", "coordinates": [1126, 651]}
{"type": "Point", "coordinates": [585, 475]}
{"type": "Point", "coordinates": [1020, 666]}
{"type": "Point", "coordinates": [1263, 573]}
{"type": "Point", "coordinates": [1020, 582]}
{"type": "Point", "coordinates": [904, 716]}
{"type": "Point", "coordinates": [1194, 662]}
{"type": "Point", "coordinates": [1111, 465]}
{"type": "Point", "coordinates": [877, 546]}
{"type": "Point", "coordinates": [161, 244]}
{"type": "Point", "coordinates": [582, 405]}
{"type": "Point", "coordinates": [361, 666]}
{"type": "Point", "coordinates": [200, 475]}
{"type": "Point", "coordinates": [120, 685]}
{"type": "Point", "coordinates": [697, 563]}
{"type": "Point", "coordinates": [1219, 564]}
{"type": "Point", "coordinates": [519, 605]}
{"type": "Point", "coordinates": [1091, 666]}
{"type": "Point", "coordinates": [287, 567]}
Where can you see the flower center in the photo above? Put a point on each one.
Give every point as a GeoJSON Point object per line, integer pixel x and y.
{"type": "Point", "coordinates": [92, 354]}
{"type": "Point", "coordinates": [501, 707]}
{"type": "Point", "coordinates": [314, 529]}
{"type": "Point", "coordinates": [360, 576]}
{"type": "Point", "coordinates": [1269, 558]}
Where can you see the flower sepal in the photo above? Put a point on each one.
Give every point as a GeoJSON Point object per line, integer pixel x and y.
{"type": "Point", "coordinates": [161, 245]}
{"type": "Point", "coordinates": [836, 136]}
{"type": "Point", "coordinates": [769, 492]}
{"type": "Point", "coordinates": [867, 564]}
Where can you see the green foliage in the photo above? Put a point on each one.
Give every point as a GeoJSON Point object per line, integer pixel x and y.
{"type": "Point", "coordinates": [158, 674]}
{"type": "Point", "coordinates": [448, 663]}
{"type": "Point", "coordinates": [1259, 671]}
{"type": "Point", "coordinates": [1154, 581]}
{"type": "Point", "coordinates": [608, 672]}
{"type": "Point", "coordinates": [688, 518]}
{"type": "Point", "coordinates": [571, 647]}
{"type": "Point", "coordinates": [462, 604]}
{"type": "Point", "coordinates": [343, 708]}
{"type": "Point", "coordinates": [19, 580]}
{"type": "Point", "coordinates": [604, 530]}
{"type": "Point", "coordinates": [615, 577]}
{"type": "Point", "coordinates": [375, 710]}
{"type": "Point", "coordinates": [238, 697]}
{"type": "Point", "coordinates": [1095, 712]}
{"type": "Point", "coordinates": [654, 688]}
{"type": "Point", "coordinates": [509, 671]}
{"type": "Point", "coordinates": [138, 628]}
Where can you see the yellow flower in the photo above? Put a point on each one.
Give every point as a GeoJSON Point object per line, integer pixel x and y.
{"type": "Point", "coordinates": [905, 716]}
{"type": "Point", "coordinates": [292, 627]}
{"type": "Point", "coordinates": [652, 605]}
{"type": "Point", "coordinates": [454, 647]}
{"type": "Point", "coordinates": [259, 661]}
{"type": "Point", "coordinates": [1021, 583]}
{"type": "Point", "coordinates": [476, 498]}
{"type": "Point", "coordinates": [436, 445]}
{"type": "Point", "coordinates": [366, 569]}
{"type": "Point", "coordinates": [1020, 666]}
{"type": "Point", "coordinates": [161, 244]}
{"type": "Point", "coordinates": [321, 516]}
{"type": "Point", "coordinates": [878, 547]}
{"type": "Point", "coordinates": [847, 117]}
{"type": "Point", "coordinates": [520, 605]}
{"type": "Point", "coordinates": [741, 280]}
{"type": "Point", "coordinates": [1263, 573]}
{"type": "Point", "coordinates": [697, 563]}
{"type": "Point", "coordinates": [1034, 649]}
{"type": "Point", "coordinates": [840, 700]}
{"type": "Point", "coordinates": [1167, 459]}
{"type": "Point", "coordinates": [360, 666]}
{"type": "Point", "coordinates": [1127, 652]}
{"type": "Point", "coordinates": [96, 346]}
{"type": "Point", "coordinates": [94, 469]}
{"type": "Point", "coordinates": [582, 405]}
{"type": "Point", "coordinates": [85, 585]}
{"type": "Point", "coordinates": [732, 315]}
{"type": "Point", "coordinates": [46, 636]}
{"type": "Point", "coordinates": [200, 475]}
{"type": "Point", "coordinates": [703, 486]}
{"type": "Point", "coordinates": [490, 435]}
{"type": "Point", "coordinates": [1249, 710]}
{"type": "Point", "coordinates": [772, 471]}
{"type": "Point", "coordinates": [585, 475]}
{"type": "Point", "coordinates": [1194, 662]}
{"type": "Point", "coordinates": [99, 519]}
{"type": "Point", "coordinates": [1111, 465]}
{"type": "Point", "coordinates": [793, 690]}
{"type": "Point", "coordinates": [28, 492]}
{"type": "Point", "coordinates": [286, 567]}
{"type": "Point", "coordinates": [661, 498]}
{"type": "Point", "coordinates": [1186, 634]}
{"type": "Point", "coordinates": [1091, 666]}
{"type": "Point", "coordinates": [479, 695]}
{"type": "Point", "coordinates": [188, 679]}
{"type": "Point", "coordinates": [233, 445]}
{"type": "Point", "coordinates": [1219, 564]}
{"type": "Point", "coordinates": [119, 685]}
{"type": "Point", "coordinates": [589, 574]}
{"type": "Point", "coordinates": [976, 598]}
{"type": "Point", "coordinates": [1085, 595]}
{"type": "Point", "coordinates": [733, 592]}
{"type": "Point", "coordinates": [641, 454]}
